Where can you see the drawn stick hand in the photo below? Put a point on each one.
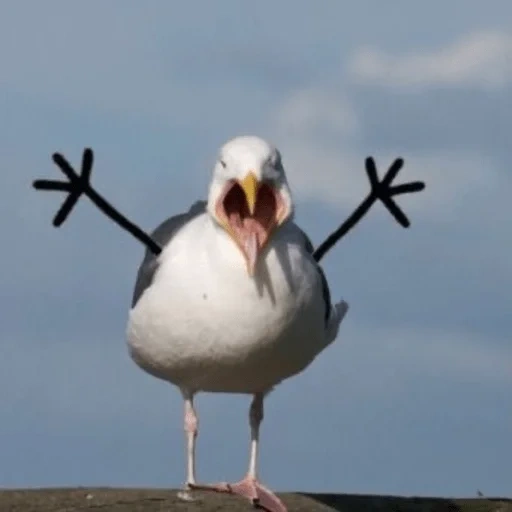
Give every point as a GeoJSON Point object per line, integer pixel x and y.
{"type": "Point", "coordinates": [77, 185]}
{"type": "Point", "coordinates": [380, 191]}
{"type": "Point", "coordinates": [383, 191]}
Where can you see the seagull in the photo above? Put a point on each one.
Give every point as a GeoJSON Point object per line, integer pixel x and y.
{"type": "Point", "coordinates": [235, 302]}
{"type": "Point", "coordinates": [229, 297]}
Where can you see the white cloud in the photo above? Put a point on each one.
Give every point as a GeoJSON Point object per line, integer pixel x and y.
{"type": "Point", "coordinates": [303, 127]}
{"type": "Point", "coordinates": [329, 175]}
{"type": "Point", "coordinates": [331, 170]}
{"type": "Point", "coordinates": [313, 109]}
{"type": "Point", "coordinates": [480, 60]}
{"type": "Point", "coordinates": [466, 195]}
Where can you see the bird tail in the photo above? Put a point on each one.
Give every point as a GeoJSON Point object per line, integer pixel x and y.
{"type": "Point", "coordinates": [338, 312]}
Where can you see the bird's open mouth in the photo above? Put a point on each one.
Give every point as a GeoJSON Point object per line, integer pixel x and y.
{"type": "Point", "coordinates": [249, 211]}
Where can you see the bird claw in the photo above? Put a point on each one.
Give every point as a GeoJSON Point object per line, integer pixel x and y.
{"type": "Point", "coordinates": [385, 192]}
{"type": "Point", "coordinates": [185, 496]}
{"type": "Point", "coordinates": [250, 489]}
{"type": "Point", "coordinates": [77, 185]}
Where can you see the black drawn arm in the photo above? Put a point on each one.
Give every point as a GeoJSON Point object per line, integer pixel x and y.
{"type": "Point", "coordinates": [79, 184]}
{"type": "Point", "coordinates": [380, 190]}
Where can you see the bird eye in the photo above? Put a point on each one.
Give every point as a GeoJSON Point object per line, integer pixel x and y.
{"type": "Point", "coordinates": [222, 163]}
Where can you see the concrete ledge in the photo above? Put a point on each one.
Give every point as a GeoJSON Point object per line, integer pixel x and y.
{"type": "Point", "coordinates": [156, 500]}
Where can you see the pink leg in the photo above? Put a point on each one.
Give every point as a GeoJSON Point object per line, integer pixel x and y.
{"type": "Point", "coordinates": [190, 424]}
{"type": "Point", "coordinates": [250, 487]}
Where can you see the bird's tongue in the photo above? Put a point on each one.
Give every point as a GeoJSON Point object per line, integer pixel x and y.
{"type": "Point", "coordinates": [251, 248]}
{"type": "Point", "coordinates": [251, 233]}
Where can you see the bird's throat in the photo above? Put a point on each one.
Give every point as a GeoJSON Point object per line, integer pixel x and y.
{"type": "Point", "coordinates": [250, 232]}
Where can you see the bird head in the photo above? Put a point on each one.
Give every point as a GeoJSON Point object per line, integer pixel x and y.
{"type": "Point", "coordinates": [249, 195]}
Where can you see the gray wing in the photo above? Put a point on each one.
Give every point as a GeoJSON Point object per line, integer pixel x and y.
{"type": "Point", "coordinates": [162, 235]}
{"type": "Point", "coordinates": [325, 286]}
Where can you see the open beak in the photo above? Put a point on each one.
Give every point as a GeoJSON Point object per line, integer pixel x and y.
{"type": "Point", "coordinates": [250, 243]}
{"type": "Point", "coordinates": [250, 210]}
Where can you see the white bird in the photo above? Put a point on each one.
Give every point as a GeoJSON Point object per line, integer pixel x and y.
{"type": "Point", "coordinates": [235, 302]}
{"type": "Point", "coordinates": [230, 297]}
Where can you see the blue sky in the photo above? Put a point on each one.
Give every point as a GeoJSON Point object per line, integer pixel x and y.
{"type": "Point", "coordinates": [414, 397]}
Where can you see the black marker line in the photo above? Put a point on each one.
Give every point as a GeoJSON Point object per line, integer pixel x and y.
{"type": "Point", "coordinates": [347, 225]}
{"type": "Point", "coordinates": [380, 190]}
{"type": "Point", "coordinates": [79, 184]}
{"type": "Point", "coordinates": [122, 221]}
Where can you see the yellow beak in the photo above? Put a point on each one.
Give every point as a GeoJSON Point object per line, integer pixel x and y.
{"type": "Point", "coordinates": [250, 186]}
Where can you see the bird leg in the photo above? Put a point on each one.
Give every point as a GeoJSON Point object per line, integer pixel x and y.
{"type": "Point", "coordinates": [250, 487]}
{"type": "Point", "coordinates": [191, 424]}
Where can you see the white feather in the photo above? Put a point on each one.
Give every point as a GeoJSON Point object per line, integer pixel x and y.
{"type": "Point", "coordinates": [206, 325]}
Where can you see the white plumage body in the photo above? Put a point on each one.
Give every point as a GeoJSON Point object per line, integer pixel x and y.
{"type": "Point", "coordinates": [206, 325]}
